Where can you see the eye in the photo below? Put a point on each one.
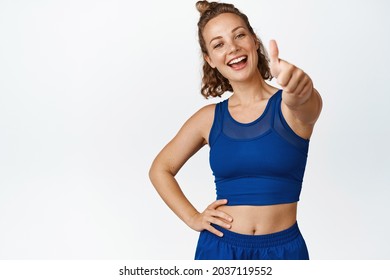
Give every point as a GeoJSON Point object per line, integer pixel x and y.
{"type": "Point", "coordinates": [238, 36]}
{"type": "Point", "coordinates": [219, 45]}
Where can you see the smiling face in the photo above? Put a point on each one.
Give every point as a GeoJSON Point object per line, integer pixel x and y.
{"type": "Point", "coordinates": [231, 47]}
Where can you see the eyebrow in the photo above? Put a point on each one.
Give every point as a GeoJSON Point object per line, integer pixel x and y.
{"type": "Point", "coordinates": [233, 30]}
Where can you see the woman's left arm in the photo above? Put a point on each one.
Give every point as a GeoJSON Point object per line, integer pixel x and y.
{"type": "Point", "coordinates": [302, 103]}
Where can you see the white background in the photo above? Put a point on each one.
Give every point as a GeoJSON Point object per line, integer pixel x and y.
{"type": "Point", "coordinates": [90, 91]}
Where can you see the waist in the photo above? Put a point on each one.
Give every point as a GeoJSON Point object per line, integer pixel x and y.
{"type": "Point", "coordinates": [257, 220]}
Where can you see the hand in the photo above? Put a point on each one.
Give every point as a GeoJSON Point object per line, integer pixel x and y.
{"type": "Point", "coordinates": [292, 79]}
{"type": "Point", "coordinates": [203, 221]}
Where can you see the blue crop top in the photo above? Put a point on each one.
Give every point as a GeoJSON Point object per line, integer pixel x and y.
{"type": "Point", "coordinates": [258, 163]}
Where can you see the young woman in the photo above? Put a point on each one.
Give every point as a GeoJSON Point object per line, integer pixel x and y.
{"type": "Point", "coordinates": [258, 142]}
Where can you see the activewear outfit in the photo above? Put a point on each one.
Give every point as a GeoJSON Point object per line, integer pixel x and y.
{"type": "Point", "coordinates": [257, 163]}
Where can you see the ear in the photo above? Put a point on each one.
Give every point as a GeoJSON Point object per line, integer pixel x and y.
{"type": "Point", "coordinates": [257, 42]}
{"type": "Point", "coordinates": [209, 61]}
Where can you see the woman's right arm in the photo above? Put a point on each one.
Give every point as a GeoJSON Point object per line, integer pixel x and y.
{"type": "Point", "coordinates": [191, 138]}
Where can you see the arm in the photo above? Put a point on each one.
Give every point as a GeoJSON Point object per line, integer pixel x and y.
{"type": "Point", "coordinates": [190, 139]}
{"type": "Point", "coordinates": [302, 103]}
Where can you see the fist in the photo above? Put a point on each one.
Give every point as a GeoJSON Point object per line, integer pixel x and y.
{"type": "Point", "coordinates": [292, 79]}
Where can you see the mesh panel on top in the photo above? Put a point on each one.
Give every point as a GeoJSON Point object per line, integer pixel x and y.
{"type": "Point", "coordinates": [246, 131]}
{"type": "Point", "coordinates": [284, 130]}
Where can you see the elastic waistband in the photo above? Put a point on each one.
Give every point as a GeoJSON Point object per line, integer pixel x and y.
{"type": "Point", "coordinates": [264, 240]}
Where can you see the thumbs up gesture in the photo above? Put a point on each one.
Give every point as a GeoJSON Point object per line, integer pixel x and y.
{"type": "Point", "coordinates": [297, 85]}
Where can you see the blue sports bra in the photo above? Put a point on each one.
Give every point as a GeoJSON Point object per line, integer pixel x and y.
{"type": "Point", "coordinates": [257, 163]}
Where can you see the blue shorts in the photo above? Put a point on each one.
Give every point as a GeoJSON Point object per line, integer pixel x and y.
{"type": "Point", "coordinates": [283, 245]}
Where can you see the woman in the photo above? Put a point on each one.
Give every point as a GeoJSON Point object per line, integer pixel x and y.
{"type": "Point", "coordinates": [258, 142]}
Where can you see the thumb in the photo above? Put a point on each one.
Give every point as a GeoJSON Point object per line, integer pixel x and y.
{"type": "Point", "coordinates": [274, 58]}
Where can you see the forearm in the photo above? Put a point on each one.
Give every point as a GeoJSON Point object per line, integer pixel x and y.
{"type": "Point", "coordinates": [171, 193]}
{"type": "Point", "coordinates": [306, 107]}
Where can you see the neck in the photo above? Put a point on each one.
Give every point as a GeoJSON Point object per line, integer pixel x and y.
{"type": "Point", "coordinates": [252, 90]}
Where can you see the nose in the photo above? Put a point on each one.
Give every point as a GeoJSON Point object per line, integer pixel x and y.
{"type": "Point", "coordinates": [233, 47]}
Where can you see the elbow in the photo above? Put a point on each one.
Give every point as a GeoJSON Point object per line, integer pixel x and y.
{"type": "Point", "coordinates": [152, 172]}
{"type": "Point", "coordinates": [157, 171]}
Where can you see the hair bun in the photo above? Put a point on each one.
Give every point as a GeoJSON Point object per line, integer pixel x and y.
{"type": "Point", "coordinates": [203, 6]}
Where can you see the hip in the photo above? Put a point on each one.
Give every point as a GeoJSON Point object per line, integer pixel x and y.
{"type": "Point", "coordinates": [283, 245]}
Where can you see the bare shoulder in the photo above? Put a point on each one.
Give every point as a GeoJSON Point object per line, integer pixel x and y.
{"type": "Point", "coordinates": [206, 113]}
{"type": "Point", "coordinates": [201, 121]}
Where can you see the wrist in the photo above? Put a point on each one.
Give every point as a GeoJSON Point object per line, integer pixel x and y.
{"type": "Point", "coordinates": [190, 220]}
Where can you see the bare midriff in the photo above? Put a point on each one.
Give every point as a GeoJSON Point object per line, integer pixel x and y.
{"type": "Point", "coordinates": [256, 220]}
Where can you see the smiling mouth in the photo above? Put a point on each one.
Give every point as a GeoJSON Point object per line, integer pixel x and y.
{"type": "Point", "coordinates": [238, 62]}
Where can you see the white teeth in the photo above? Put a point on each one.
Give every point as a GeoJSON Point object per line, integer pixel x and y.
{"type": "Point", "coordinates": [237, 60]}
